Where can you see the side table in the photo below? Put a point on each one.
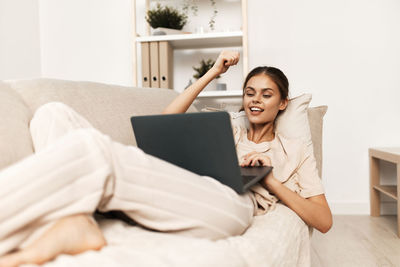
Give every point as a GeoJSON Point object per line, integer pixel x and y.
{"type": "Point", "coordinates": [390, 154]}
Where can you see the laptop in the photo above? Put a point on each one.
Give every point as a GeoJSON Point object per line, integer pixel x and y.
{"type": "Point", "coordinates": [201, 142]}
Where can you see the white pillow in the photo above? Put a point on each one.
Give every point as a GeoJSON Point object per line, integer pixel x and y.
{"type": "Point", "coordinates": [293, 122]}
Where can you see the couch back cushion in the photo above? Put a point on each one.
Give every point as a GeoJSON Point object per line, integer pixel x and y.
{"type": "Point", "coordinates": [107, 107]}
{"type": "Point", "coordinates": [316, 119]}
{"type": "Point", "coordinates": [15, 138]}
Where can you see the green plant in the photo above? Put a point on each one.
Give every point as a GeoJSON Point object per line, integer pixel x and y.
{"type": "Point", "coordinates": [191, 5]}
{"type": "Point", "coordinates": [167, 17]}
{"type": "Point", "coordinates": [204, 67]}
{"type": "Point", "coordinates": [214, 15]}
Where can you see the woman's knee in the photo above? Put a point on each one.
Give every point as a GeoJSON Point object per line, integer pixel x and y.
{"type": "Point", "coordinates": [242, 213]}
{"type": "Point", "coordinates": [46, 113]}
{"type": "Point", "coordinates": [51, 108]}
{"type": "Point", "coordinates": [239, 228]}
{"type": "Point", "coordinates": [90, 138]}
{"type": "Point", "coordinates": [236, 223]}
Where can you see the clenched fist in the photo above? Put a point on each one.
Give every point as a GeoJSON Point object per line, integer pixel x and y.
{"type": "Point", "coordinates": [225, 60]}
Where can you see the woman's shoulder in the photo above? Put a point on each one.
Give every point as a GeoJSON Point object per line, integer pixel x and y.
{"type": "Point", "coordinates": [294, 146]}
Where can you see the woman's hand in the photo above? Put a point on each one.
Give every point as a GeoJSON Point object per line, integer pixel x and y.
{"type": "Point", "coordinates": [225, 60]}
{"type": "Point", "coordinates": [252, 158]}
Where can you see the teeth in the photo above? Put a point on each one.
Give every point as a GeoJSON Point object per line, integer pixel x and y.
{"type": "Point", "coordinates": [255, 109]}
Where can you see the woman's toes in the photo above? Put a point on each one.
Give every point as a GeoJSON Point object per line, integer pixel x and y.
{"type": "Point", "coordinates": [11, 260]}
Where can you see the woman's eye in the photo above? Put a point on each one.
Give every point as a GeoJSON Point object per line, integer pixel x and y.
{"type": "Point", "coordinates": [248, 94]}
{"type": "Point", "coordinates": [267, 96]}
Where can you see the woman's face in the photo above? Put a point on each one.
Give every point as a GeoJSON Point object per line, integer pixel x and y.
{"type": "Point", "coordinates": [262, 99]}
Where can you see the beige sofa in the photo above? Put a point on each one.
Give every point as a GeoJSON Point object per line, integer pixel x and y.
{"type": "Point", "coordinates": [279, 238]}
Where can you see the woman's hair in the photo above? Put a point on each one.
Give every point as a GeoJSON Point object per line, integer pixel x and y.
{"type": "Point", "coordinates": [275, 74]}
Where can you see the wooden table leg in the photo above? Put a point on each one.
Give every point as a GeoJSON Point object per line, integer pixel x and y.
{"type": "Point", "coordinates": [375, 201]}
{"type": "Point", "coordinates": [398, 198]}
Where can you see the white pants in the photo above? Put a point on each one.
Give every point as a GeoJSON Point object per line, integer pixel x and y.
{"type": "Point", "coordinates": [76, 170]}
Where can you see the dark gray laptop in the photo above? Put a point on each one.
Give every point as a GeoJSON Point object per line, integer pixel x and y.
{"type": "Point", "coordinates": [199, 142]}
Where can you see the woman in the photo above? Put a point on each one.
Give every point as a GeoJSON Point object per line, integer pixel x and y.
{"type": "Point", "coordinates": [48, 199]}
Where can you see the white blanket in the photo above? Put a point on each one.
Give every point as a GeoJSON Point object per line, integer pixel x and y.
{"type": "Point", "coordinates": [278, 238]}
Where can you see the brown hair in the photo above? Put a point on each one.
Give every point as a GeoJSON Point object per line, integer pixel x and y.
{"type": "Point", "coordinates": [275, 74]}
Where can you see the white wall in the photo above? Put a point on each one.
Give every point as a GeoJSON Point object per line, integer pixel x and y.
{"type": "Point", "coordinates": [19, 39]}
{"type": "Point", "coordinates": [347, 54]}
{"type": "Point", "coordinates": [87, 40]}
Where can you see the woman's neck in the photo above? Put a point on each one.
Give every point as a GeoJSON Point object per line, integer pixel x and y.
{"type": "Point", "coordinates": [261, 133]}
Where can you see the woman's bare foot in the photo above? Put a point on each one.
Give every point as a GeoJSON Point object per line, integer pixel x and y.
{"type": "Point", "coordinates": [71, 235]}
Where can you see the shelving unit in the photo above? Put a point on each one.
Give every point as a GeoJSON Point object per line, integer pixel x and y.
{"type": "Point", "coordinates": [199, 41]}
{"type": "Point", "coordinates": [227, 93]}
{"type": "Point", "coordinates": [192, 41]}
{"type": "Point", "coordinates": [389, 154]}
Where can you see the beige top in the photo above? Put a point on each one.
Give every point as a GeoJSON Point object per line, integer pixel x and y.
{"type": "Point", "coordinates": [293, 164]}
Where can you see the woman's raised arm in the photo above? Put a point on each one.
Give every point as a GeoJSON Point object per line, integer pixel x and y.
{"type": "Point", "coordinates": [183, 101]}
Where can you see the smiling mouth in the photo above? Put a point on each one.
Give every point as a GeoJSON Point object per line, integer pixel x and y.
{"type": "Point", "coordinates": [255, 111]}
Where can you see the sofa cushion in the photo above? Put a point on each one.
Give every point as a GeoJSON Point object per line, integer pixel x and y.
{"type": "Point", "coordinates": [107, 107]}
{"type": "Point", "coordinates": [316, 119]}
{"type": "Point", "coordinates": [293, 122]}
{"type": "Point", "coordinates": [15, 139]}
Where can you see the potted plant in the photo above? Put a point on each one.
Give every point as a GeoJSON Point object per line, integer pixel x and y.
{"type": "Point", "coordinates": [202, 69]}
{"type": "Point", "coordinates": [191, 5]}
{"type": "Point", "coordinates": [166, 19]}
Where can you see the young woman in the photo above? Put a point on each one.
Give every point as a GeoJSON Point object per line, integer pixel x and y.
{"type": "Point", "coordinates": [294, 179]}
{"type": "Point", "coordinates": [47, 199]}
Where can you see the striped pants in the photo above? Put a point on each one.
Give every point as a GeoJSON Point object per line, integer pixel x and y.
{"type": "Point", "coordinates": [76, 170]}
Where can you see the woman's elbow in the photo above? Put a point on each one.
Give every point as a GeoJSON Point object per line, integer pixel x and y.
{"type": "Point", "coordinates": [326, 226]}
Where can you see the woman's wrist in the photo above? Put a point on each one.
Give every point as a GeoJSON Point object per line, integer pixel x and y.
{"type": "Point", "coordinates": [214, 72]}
{"type": "Point", "coordinates": [207, 78]}
{"type": "Point", "coordinates": [270, 182]}
{"type": "Point", "coordinates": [201, 83]}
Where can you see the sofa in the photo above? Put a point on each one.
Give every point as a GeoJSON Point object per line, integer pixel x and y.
{"type": "Point", "coordinates": [278, 238]}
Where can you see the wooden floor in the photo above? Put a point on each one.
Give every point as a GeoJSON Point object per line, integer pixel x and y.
{"type": "Point", "coordinates": [357, 240]}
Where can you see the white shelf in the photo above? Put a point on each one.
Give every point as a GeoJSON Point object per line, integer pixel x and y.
{"type": "Point", "coordinates": [204, 40]}
{"type": "Point", "coordinates": [228, 93]}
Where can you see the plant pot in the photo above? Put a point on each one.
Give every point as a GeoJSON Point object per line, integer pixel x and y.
{"type": "Point", "coordinates": [212, 86]}
{"type": "Point", "coordinates": [221, 86]}
{"type": "Point", "coordinates": [166, 31]}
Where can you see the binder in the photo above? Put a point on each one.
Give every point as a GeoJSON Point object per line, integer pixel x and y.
{"type": "Point", "coordinates": [166, 64]}
{"type": "Point", "coordinates": [154, 65]}
{"type": "Point", "coordinates": [145, 64]}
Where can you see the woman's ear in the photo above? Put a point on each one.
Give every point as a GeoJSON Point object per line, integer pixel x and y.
{"type": "Point", "coordinates": [283, 104]}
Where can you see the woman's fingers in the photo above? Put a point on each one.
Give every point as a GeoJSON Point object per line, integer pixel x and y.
{"type": "Point", "coordinates": [251, 160]}
{"type": "Point", "coordinates": [249, 155]}
{"type": "Point", "coordinates": [225, 60]}
{"type": "Point", "coordinates": [256, 160]}
{"type": "Point", "coordinates": [230, 57]}
{"type": "Point", "coordinates": [235, 60]}
{"type": "Point", "coordinates": [228, 62]}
